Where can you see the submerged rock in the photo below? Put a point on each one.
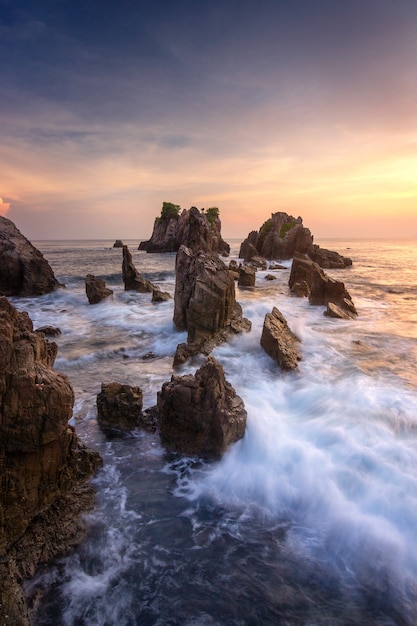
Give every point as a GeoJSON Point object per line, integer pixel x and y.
{"type": "Point", "coordinates": [279, 341]}
{"type": "Point", "coordinates": [23, 269]}
{"type": "Point", "coordinates": [43, 465]}
{"type": "Point", "coordinates": [96, 289]}
{"type": "Point", "coordinates": [200, 414]}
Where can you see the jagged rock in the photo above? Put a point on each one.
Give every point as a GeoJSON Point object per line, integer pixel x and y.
{"type": "Point", "coordinates": [192, 228]}
{"type": "Point", "coordinates": [160, 296]}
{"type": "Point", "coordinates": [279, 341]}
{"type": "Point", "coordinates": [323, 289]}
{"type": "Point", "coordinates": [118, 243]}
{"type": "Point", "coordinates": [200, 414]}
{"type": "Point", "coordinates": [23, 269]}
{"type": "Point", "coordinates": [49, 331]}
{"type": "Point", "coordinates": [301, 289]}
{"type": "Point", "coordinates": [42, 462]}
{"type": "Point", "coordinates": [234, 265]}
{"type": "Point", "coordinates": [252, 258]}
{"type": "Point", "coordinates": [270, 277]}
{"type": "Point", "coordinates": [133, 280]}
{"type": "Point", "coordinates": [119, 407]}
{"type": "Point", "coordinates": [342, 313]}
{"type": "Point", "coordinates": [282, 236]}
{"type": "Point", "coordinates": [205, 303]}
{"type": "Point", "coordinates": [247, 276]}
{"type": "Point", "coordinates": [96, 289]}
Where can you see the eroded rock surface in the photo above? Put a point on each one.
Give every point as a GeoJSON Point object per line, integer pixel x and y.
{"type": "Point", "coordinates": [96, 289]}
{"type": "Point", "coordinates": [23, 269]}
{"type": "Point", "coordinates": [200, 414]}
{"type": "Point", "coordinates": [119, 407]}
{"type": "Point", "coordinates": [279, 341]}
{"type": "Point", "coordinates": [133, 280]}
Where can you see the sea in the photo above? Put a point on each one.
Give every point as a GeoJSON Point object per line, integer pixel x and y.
{"type": "Point", "coordinates": [310, 519]}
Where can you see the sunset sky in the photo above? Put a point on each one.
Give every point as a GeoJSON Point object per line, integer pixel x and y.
{"type": "Point", "coordinates": [109, 108]}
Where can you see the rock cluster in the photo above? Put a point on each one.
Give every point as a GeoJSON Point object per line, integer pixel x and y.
{"type": "Point", "coordinates": [23, 269]}
{"type": "Point", "coordinates": [308, 278]}
{"type": "Point", "coordinates": [200, 414]}
{"type": "Point", "coordinates": [192, 228]}
{"type": "Point", "coordinates": [281, 237]}
{"type": "Point", "coordinates": [96, 289]}
{"type": "Point", "coordinates": [279, 341]}
{"type": "Point", "coordinates": [205, 303]}
{"type": "Point", "coordinates": [43, 465]}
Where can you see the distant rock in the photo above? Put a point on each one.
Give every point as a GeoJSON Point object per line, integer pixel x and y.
{"type": "Point", "coordinates": [323, 289]}
{"type": "Point", "coordinates": [282, 236]}
{"type": "Point", "coordinates": [205, 303]}
{"type": "Point", "coordinates": [247, 276]}
{"type": "Point", "coordinates": [118, 243]}
{"type": "Point", "coordinates": [119, 407]}
{"type": "Point", "coordinates": [200, 414]}
{"type": "Point", "coordinates": [279, 341]}
{"type": "Point", "coordinates": [197, 230]}
{"type": "Point", "coordinates": [43, 465]}
{"type": "Point", "coordinates": [23, 269]}
{"type": "Point", "coordinates": [133, 280]}
{"type": "Point", "coordinates": [49, 331]}
{"type": "Point", "coordinates": [96, 289]}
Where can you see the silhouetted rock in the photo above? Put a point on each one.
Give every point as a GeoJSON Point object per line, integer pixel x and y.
{"type": "Point", "coordinates": [118, 243]}
{"type": "Point", "coordinates": [197, 230]}
{"type": "Point", "coordinates": [43, 465]}
{"type": "Point", "coordinates": [96, 289]}
{"type": "Point", "coordinates": [23, 269]}
{"type": "Point", "coordinates": [205, 303]}
{"type": "Point", "coordinates": [119, 407]}
{"type": "Point", "coordinates": [200, 414]}
{"type": "Point", "coordinates": [279, 341]}
{"type": "Point", "coordinates": [133, 280]}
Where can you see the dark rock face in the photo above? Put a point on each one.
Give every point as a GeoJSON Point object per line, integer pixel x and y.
{"type": "Point", "coordinates": [96, 289]}
{"type": "Point", "coordinates": [23, 269]}
{"type": "Point", "coordinates": [247, 276]}
{"type": "Point", "coordinates": [282, 236]}
{"type": "Point", "coordinates": [49, 331]}
{"type": "Point", "coordinates": [41, 460]}
{"type": "Point", "coordinates": [323, 289]}
{"type": "Point", "coordinates": [192, 229]}
{"type": "Point", "coordinates": [205, 303]}
{"type": "Point", "coordinates": [279, 341]}
{"type": "Point", "coordinates": [119, 407]}
{"type": "Point", "coordinates": [160, 296]}
{"type": "Point", "coordinates": [200, 414]}
{"type": "Point", "coordinates": [118, 243]}
{"type": "Point", "coordinates": [132, 279]}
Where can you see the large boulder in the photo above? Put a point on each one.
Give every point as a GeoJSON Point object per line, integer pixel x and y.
{"type": "Point", "coordinates": [96, 289]}
{"type": "Point", "coordinates": [279, 341]}
{"type": "Point", "coordinates": [23, 269]}
{"type": "Point", "coordinates": [282, 236]}
{"type": "Point", "coordinates": [205, 303]}
{"type": "Point", "coordinates": [200, 414]}
{"type": "Point", "coordinates": [322, 288]}
{"type": "Point", "coordinates": [247, 276]}
{"type": "Point", "coordinates": [43, 465]}
{"type": "Point", "coordinates": [197, 230]}
{"type": "Point", "coordinates": [133, 280]}
{"type": "Point", "coordinates": [119, 407]}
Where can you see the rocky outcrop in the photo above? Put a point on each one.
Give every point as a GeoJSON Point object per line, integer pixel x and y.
{"type": "Point", "coordinates": [119, 407]}
{"type": "Point", "coordinates": [279, 341]}
{"type": "Point", "coordinates": [160, 296]}
{"type": "Point", "coordinates": [23, 269]}
{"type": "Point", "coordinates": [43, 465]}
{"type": "Point", "coordinates": [322, 289]}
{"type": "Point", "coordinates": [283, 236]}
{"type": "Point", "coordinates": [200, 414]}
{"type": "Point", "coordinates": [96, 289]}
{"type": "Point", "coordinates": [133, 280]}
{"type": "Point", "coordinates": [205, 303]}
{"type": "Point", "coordinates": [247, 276]}
{"type": "Point", "coordinates": [118, 243]}
{"type": "Point", "coordinates": [49, 331]}
{"type": "Point", "coordinates": [197, 230]}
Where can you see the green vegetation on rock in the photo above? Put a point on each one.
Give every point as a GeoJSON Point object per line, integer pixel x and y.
{"type": "Point", "coordinates": [266, 227]}
{"type": "Point", "coordinates": [212, 214]}
{"type": "Point", "coordinates": [169, 211]}
{"type": "Point", "coordinates": [285, 228]}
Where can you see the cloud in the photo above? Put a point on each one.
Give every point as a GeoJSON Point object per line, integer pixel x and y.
{"type": "Point", "coordinates": [4, 207]}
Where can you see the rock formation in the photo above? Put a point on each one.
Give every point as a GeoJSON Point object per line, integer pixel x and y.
{"type": "Point", "coordinates": [205, 303]}
{"type": "Point", "coordinates": [200, 414]}
{"type": "Point", "coordinates": [133, 280]}
{"type": "Point", "coordinates": [119, 407]}
{"type": "Point", "coordinates": [160, 296]}
{"type": "Point", "coordinates": [247, 276]}
{"type": "Point", "coordinates": [96, 289]}
{"type": "Point", "coordinates": [282, 236]}
{"type": "Point", "coordinates": [118, 243]}
{"type": "Point", "coordinates": [279, 341]}
{"type": "Point", "coordinates": [23, 269]}
{"type": "Point", "coordinates": [322, 289]}
{"type": "Point", "coordinates": [197, 230]}
{"type": "Point", "coordinates": [43, 466]}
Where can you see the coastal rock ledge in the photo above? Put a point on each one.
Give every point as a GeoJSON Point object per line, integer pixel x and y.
{"type": "Point", "coordinates": [43, 466]}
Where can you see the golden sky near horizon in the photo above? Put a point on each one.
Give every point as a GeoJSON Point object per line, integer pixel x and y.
{"type": "Point", "coordinates": [282, 107]}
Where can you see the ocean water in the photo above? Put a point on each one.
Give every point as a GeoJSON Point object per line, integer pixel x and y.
{"type": "Point", "coordinates": [311, 519]}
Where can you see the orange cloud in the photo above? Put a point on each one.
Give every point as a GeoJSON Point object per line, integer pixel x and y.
{"type": "Point", "coordinates": [4, 207]}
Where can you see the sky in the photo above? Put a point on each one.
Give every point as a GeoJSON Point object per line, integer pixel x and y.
{"type": "Point", "coordinates": [108, 109]}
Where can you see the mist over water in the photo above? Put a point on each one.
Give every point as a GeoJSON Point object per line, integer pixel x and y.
{"type": "Point", "coordinates": [310, 519]}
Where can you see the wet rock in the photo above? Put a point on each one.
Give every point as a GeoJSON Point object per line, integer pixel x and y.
{"type": "Point", "coordinates": [200, 414]}
{"type": "Point", "coordinates": [301, 289]}
{"type": "Point", "coordinates": [279, 341]}
{"type": "Point", "coordinates": [328, 259]}
{"type": "Point", "coordinates": [42, 462]}
{"type": "Point", "coordinates": [49, 331]}
{"type": "Point", "coordinates": [270, 277]}
{"type": "Point", "coordinates": [160, 296]}
{"type": "Point", "coordinates": [338, 312]}
{"type": "Point", "coordinates": [96, 289]}
{"type": "Point", "coordinates": [119, 407]}
{"type": "Point", "coordinates": [133, 280]}
{"type": "Point", "coordinates": [247, 276]}
{"type": "Point", "coordinates": [23, 269]}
